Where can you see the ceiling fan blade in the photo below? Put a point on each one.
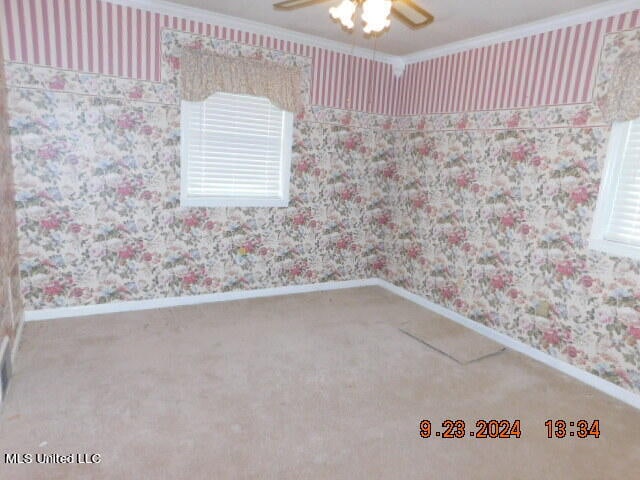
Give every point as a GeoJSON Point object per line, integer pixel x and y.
{"type": "Point", "coordinates": [412, 14]}
{"type": "Point", "coordinates": [293, 4]}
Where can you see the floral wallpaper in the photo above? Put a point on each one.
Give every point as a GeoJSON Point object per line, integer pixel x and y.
{"type": "Point", "coordinates": [486, 213]}
{"type": "Point", "coordinates": [492, 216]}
{"type": "Point", "coordinates": [97, 168]}
{"type": "Point", "coordinates": [495, 225]}
{"type": "Point", "coordinates": [615, 46]}
{"type": "Point", "coordinates": [10, 298]}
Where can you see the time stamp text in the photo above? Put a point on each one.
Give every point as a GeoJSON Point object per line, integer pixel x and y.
{"type": "Point", "coordinates": [508, 429]}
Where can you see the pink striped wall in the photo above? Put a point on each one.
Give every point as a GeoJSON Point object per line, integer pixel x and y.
{"type": "Point", "coordinates": [552, 68]}
{"type": "Point", "coordinates": [100, 37]}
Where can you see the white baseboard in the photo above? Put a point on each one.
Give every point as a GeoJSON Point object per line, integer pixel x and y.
{"type": "Point", "coordinates": [592, 380]}
{"type": "Point", "coordinates": [117, 307]}
{"type": "Point", "coordinates": [585, 377]}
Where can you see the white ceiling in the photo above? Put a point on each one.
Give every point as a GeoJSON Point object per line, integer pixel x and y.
{"type": "Point", "coordinates": [455, 20]}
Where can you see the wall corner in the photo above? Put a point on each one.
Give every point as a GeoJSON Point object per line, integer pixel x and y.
{"type": "Point", "coordinates": [398, 64]}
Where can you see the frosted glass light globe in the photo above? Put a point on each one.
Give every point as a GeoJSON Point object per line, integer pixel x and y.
{"type": "Point", "coordinates": [375, 14]}
{"type": "Point", "coordinates": [344, 12]}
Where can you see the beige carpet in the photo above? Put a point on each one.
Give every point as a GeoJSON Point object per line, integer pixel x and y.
{"type": "Point", "coordinates": [314, 386]}
{"type": "Point", "coordinates": [449, 338]}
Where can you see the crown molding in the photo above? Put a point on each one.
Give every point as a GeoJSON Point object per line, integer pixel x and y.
{"type": "Point", "coordinates": [583, 15]}
{"type": "Point", "coordinates": [398, 62]}
{"type": "Point", "coordinates": [207, 16]}
{"type": "Point", "coordinates": [398, 65]}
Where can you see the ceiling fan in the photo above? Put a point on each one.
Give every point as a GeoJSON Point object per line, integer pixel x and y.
{"type": "Point", "coordinates": [375, 13]}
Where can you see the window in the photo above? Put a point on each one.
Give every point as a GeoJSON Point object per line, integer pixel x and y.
{"type": "Point", "coordinates": [236, 151]}
{"type": "Point", "coordinates": [616, 226]}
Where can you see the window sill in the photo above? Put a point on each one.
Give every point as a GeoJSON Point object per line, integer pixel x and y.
{"type": "Point", "coordinates": [615, 249]}
{"type": "Point", "coordinates": [234, 202]}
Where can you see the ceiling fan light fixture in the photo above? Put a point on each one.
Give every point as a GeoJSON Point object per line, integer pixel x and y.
{"type": "Point", "coordinates": [375, 14]}
{"type": "Point", "coordinates": [344, 12]}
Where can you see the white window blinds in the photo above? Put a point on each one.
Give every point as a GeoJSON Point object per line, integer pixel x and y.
{"type": "Point", "coordinates": [624, 223]}
{"type": "Point", "coordinates": [616, 224]}
{"type": "Point", "coordinates": [235, 152]}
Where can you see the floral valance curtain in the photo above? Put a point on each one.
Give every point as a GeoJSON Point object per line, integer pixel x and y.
{"type": "Point", "coordinates": [621, 101]}
{"type": "Point", "coordinates": [205, 73]}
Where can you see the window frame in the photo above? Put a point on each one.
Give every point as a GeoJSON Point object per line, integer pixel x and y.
{"type": "Point", "coordinates": [236, 201]}
{"type": "Point", "coordinates": [607, 195]}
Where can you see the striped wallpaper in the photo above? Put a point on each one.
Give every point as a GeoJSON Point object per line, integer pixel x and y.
{"type": "Point", "coordinates": [552, 68]}
{"type": "Point", "coordinates": [100, 37]}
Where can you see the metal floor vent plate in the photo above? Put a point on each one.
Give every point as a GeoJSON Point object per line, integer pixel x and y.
{"type": "Point", "coordinates": [451, 339]}
{"type": "Point", "coordinates": [5, 368]}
